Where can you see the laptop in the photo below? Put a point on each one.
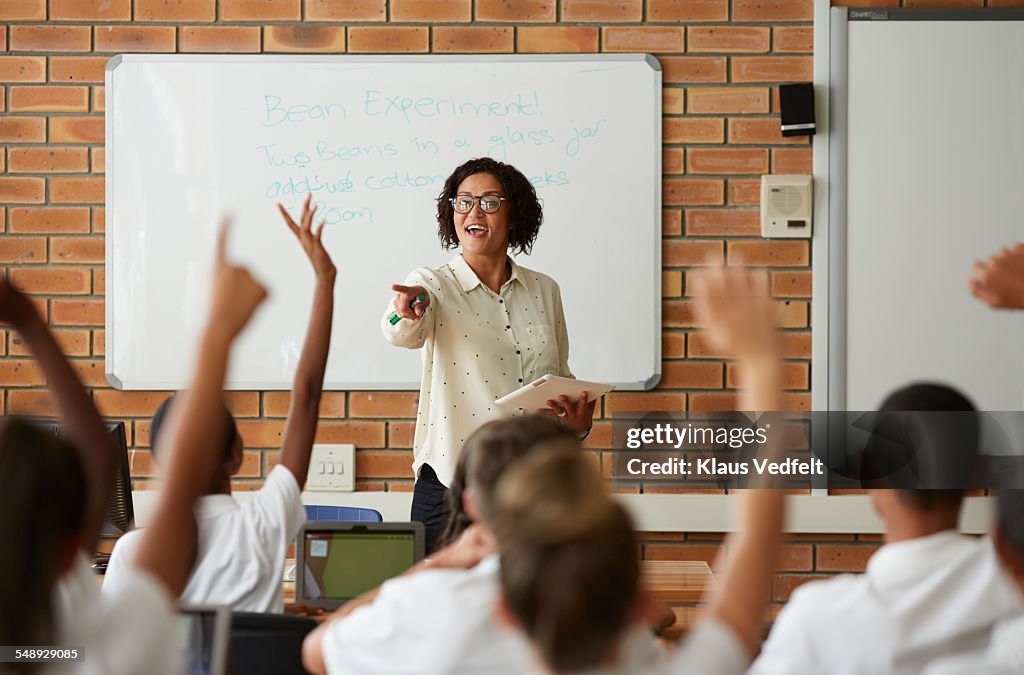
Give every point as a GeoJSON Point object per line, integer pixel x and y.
{"type": "Point", "coordinates": [204, 635]}
{"type": "Point", "coordinates": [337, 561]}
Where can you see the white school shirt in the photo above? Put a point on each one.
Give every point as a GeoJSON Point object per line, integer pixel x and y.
{"type": "Point", "coordinates": [918, 600]}
{"type": "Point", "coordinates": [477, 346]}
{"type": "Point", "coordinates": [128, 632]}
{"type": "Point", "coordinates": [1004, 655]}
{"type": "Point", "coordinates": [441, 622]}
{"type": "Point", "coordinates": [240, 556]}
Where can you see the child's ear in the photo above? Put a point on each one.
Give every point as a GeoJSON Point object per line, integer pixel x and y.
{"type": "Point", "coordinates": [469, 505]}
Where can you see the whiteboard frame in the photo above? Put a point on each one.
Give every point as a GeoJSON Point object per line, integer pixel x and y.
{"type": "Point", "coordinates": [656, 196]}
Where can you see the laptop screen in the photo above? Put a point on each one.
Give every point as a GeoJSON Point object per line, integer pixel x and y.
{"type": "Point", "coordinates": [203, 634]}
{"type": "Point", "coordinates": [343, 563]}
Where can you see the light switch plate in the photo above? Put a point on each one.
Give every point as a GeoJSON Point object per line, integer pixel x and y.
{"type": "Point", "coordinates": [332, 468]}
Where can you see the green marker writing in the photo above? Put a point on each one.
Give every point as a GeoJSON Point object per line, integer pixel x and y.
{"type": "Point", "coordinates": [394, 318]}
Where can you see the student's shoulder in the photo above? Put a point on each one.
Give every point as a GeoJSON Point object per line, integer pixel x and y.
{"type": "Point", "coordinates": [533, 278]}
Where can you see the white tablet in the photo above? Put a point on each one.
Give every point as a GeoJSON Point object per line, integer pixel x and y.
{"type": "Point", "coordinates": [536, 394]}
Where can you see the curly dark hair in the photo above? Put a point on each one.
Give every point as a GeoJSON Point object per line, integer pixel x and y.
{"type": "Point", "coordinates": [525, 218]}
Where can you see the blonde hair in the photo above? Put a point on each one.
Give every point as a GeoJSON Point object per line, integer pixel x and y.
{"type": "Point", "coordinates": [569, 564]}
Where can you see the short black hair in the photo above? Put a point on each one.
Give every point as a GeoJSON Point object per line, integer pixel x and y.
{"type": "Point", "coordinates": [229, 430]}
{"type": "Point", "coordinates": [526, 211]}
{"type": "Point", "coordinates": [928, 458]}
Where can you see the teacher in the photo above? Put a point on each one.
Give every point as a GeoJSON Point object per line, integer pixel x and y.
{"type": "Point", "coordinates": [486, 325]}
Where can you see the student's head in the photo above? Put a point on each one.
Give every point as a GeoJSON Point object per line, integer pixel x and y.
{"type": "Point", "coordinates": [510, 218]}
{"type": "Point", "coordinates": [486, 454]}
{"type": "Point", "coordinates": [226, 437]}
{"type": "Point", "coordinates": [42, 502]}
{"type": "Point", "coordinates": [927, 436]}
{"type": "Point", "coordinates": [1009, 535]}
{"type": "Point", "coordinates": [570, 570]}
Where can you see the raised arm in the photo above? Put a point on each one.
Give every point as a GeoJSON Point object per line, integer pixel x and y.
{"type": "Point", "coordinates": [739, 319]}
{"type": "Point", "coordinates": [303, 412]}
{"type": "Point", "coordinates": [83, 425]}
{"type": "Point", "coordinates": [999, 280]}
{"type": "Point", "coordinates": [168, 544]}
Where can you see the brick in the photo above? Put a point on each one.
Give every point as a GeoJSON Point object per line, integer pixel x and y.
{"type": "Point", "coordinates": [22, 69]}
{"type": "Point", "coordinates": [691, 375]}
{"type": "Point", "coordinates": [20, 373]}
{"type": "Point", "coordinates": [758, 279]}
{"type": "Point", "coordinates": [671, 222]}
{"type": "Point", "coordinates": [673, 101]}
{"type": "Point", "coordinates": [602, 11]}
{"type": "Point", "coordinates": [644, 39]}
{"type": "Point", "coordinates": [691, 69]}
{"type": "Point", "coordinates": [693, 130]}
{"type": "Point", "coordinates": [77, 130]}
{"type": "Point", "coordinates": [99, 219]}
{"type": "Point", "coordinates": [672, 160]}
{"type": "Point", "coordinates": [671, 284]}
{"type": "Point", "coordinates": [22, 190]}
{"type": "Point", "coordinates": [98, 160]}
{"type": "Point", "coordinates": [113, 403]}
{"type": "Point", "coordinates": [99, 99]}
{"type": "Point", "coordinates": [726, 160]}
{"type": "Point", "coordinates": [77, 190]}
{"type": "Point", "coordinates": [706, 552]}
{"type": "Point", "coordinates": [175, 10]}
{"type": "Point", "coordinates": [33, 402]}
{"type": "Point", "coordinates": [99, 342]}
{"type": "Point", "coordinates": [91, 373]}
{"type": "Point", "coordinates": [220, 39]}
{"type": "Point", "coordinates": [693, 192]}
{"type": "Point", "coordinates": [745, 192]}
{"type": "Point", "coordinates": [718, 100]}
{"type": "Point", "coordinates": [794, 376]}
{"type": "Point", "coordinates": [431, 10]}
{"type": "Point", "coordinates": [635, 402]}
{"type": "Point", "coordinates": [22, 129]}
{"type": "Point", "coordinates": [723, 223]}
{"type": "Point", "coordinates": [383, 464]}
{"type": "Point", "coordinates": [304, 38]}
{"type": "Point", "coordinates": [772, 10]}
{"type": "Point", "coordinates": [52, 281]}
{"type": "Point", "coordinates": [360, 434]}
{"type": "Point", "coordinates": [784, 584]}
{"type": "Point", "coordinates": [21, 249]}
{"type": "Point", "coordinates": [3, 99]}
{"type": "Point", "coordinates": [770, 253]}
{"type": "Point", "coordinates": [557, 39]}
{"type": "Point", "coordinates": [759, 130]}
{"type": "Point", "coordinates": [673, 345]}
{"type": "Point", "coordinates": [243, 403]}
{"type": "Point", "coordinates": [383, 404]}
{"type": "Point", "coordinates": [388, 39]}
{"type": "Point", "coordinates": [346, 10]}
{"type": "Point", "coordinates": [843, 558]}
{"type": "Point", "coordinates": [791, 160]}
{"type": "Point", "coordinates": [515, 10]}
{"type": "Point", "coordinates": [260, 10]}
{"type": "Point", "coordinates": [135, 38]}
{"type": "Point", "coordinates": [772, 69]}
{"type": "Point", "coordinates": [793, 39]}
{"type": "Point", "coordinates": [473, 39]}
{"type": "Point", "coordinates": [48, 160]}
{"type": "Point", "coordinates": [3, 37]}
{"type": "Point", "coordinates": [791, 284]}
{"type": "Point", "coordinates": [688, 10]}
{"type": "Point", "coordinates": [401, 434]}
{"type": "Point", "coordinates": [71, 342]}
{"type": "Point", "coordinates": [23, 10]}
{"type": "Point", "coordinates": [90, 10]}
{"type": "Point", "coordinates": [78, 68]}
{"type": "Point", "coordinates": [275, 404]}
{"type": "Point", "coordinates": [99, 281]}
{"type": "Point", "coordinates": [76, 250]}
{"type": "Point", "coordinates": [791, 314]}
{"type": "Point", "coordinates": [728, 39]}
{"type": "Point", "coordinates": [684, 253]}
{"type": "Point", "coordinates": [78, 312]}
{"type": "Point", "coordinates": [50, 38]}
{"type": "Point", "coordinates": [50, 99]}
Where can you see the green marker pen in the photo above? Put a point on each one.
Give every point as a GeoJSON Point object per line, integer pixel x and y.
{"type": "Point", "coordinates": [394, 318]}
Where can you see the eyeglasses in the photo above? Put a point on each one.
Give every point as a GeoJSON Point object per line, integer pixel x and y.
{"type": "Point", "coordinates": [488, 203]}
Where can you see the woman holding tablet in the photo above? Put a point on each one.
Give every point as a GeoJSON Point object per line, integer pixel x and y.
{"type": "Point", "coordinates": [486, 325]}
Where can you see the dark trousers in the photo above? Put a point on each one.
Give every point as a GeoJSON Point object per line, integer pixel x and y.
{"type": "Point", "coordinates": [430, 505]}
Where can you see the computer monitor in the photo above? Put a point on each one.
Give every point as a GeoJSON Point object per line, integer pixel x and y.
{"type": "Point", "coordinates": [204, 633]}
{"type": "Point", "coordinates": [337, 561]}
{"type": "Point", "coordinates": [120, 516]}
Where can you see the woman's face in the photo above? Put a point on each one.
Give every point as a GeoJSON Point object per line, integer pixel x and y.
{"type": "Point", "coordinates": [483, 233]}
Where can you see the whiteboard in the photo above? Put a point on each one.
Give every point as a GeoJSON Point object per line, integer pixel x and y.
{"type": "Point", "coordinates": [190, 138]}
{"type": "Point", "coordinates": [924, 167]}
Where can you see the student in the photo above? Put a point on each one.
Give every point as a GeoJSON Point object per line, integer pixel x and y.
{"type": "Point", "coordinates": [242, 546]}
{"type": "Point", "coordinates": [569, 569]}
{"type": "Point", "coordinates": [54, 494]}
{"type": "Point", "coordinates": [438, 618]}
{"type": "Point", "coordinates": [999, 280]}
{"type": "Point", "coordinates": [928, 591]}
{"type": "Point", "coordinates": [486, 325]}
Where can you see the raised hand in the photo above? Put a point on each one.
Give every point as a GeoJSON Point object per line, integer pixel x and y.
{"type": "Point", "coordinates": [999, 280]}
{"type": "Point", "coordinates": [236, 294]}
{"type": "Point", "coordinates": [404, 299]}
{"type": "Point", "coordinates": [15, 308]}
{"type": "Point", "coordinates": [737, 313]}
{"type": "Point", "coordinates": [310, 239]}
